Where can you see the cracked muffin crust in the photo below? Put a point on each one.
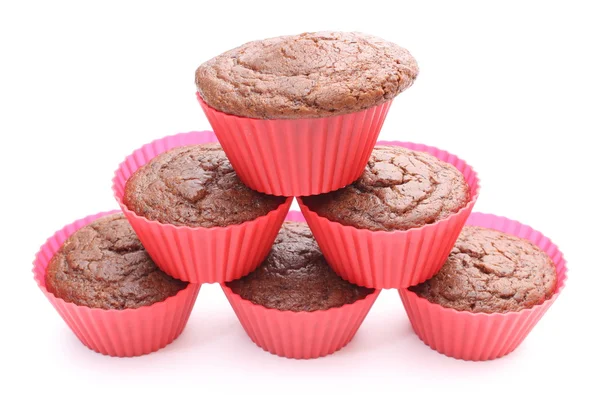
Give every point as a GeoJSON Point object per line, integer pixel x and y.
{"type": "Point", "coordinates": [296, 277]}
{"type": "Point", "coordinates": [104, 265]}
{"type": "Point", "coordinates": [194, 186]}
{"type": "Point", "coordinates": [309, 75]}
{"type": "Point", "coordinates": [399, 189]}
{"type": "Point", "coordinates": [491, 272]}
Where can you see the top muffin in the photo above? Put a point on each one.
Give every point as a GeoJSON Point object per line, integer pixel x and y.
{"type": "Point", "coordinates": [399, 189]}
{"type": "Point", "coordinates": [195, 186]}
{"type": "Point", "coordinates": [310, 75]}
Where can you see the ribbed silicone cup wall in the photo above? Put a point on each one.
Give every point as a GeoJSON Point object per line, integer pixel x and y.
{"type": "Point", "coordinates": [198, 255]}
{"type": "Point", "coordinates": [298, 157]}
{"type": "Point", "coordinates": [480, 336]}
{"type": "Point", "coordinates": [300, 335]}
{"type": "Point", "coordinates": [118, 333]}
{"type": "Point", "coordinates": [393, 259]}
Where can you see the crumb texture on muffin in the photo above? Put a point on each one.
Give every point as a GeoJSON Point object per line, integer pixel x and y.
{"type": "Point", "coordinates": [195, 186]}
{"type": "Point", "coordinates": [491, 272]}
{"type": "Point", "coordinates": [399, 189]}
{"type": "Point", "coordinates": [296, 277]}
{"type": "Point", "coordinates": [306, 76]}
{"type": "Point", "coordinates": [104, 265]}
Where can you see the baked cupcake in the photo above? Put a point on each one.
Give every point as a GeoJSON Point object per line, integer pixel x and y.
{"type": "Point", "coordinates": [104, 266]}
{"type": "Point", "coordinates": [491, 272]}
{"type": "Point", "coordinates": [195, 217]}
{"type": "Point", "coordinates": [396, 224]}
{"type": "Point", "coordinates": [296, 277]}
{"type": "Point", "coordinates": [293, 305]}
{"type": "Point", "coordinates": [399, 189]}
{"type": "Point", "coordinates": [299, 115]}
{"type": "Point", "coordinates": [310, 75]}
{"type": "Point", "coordinates": [497, 282]}
{"type": "Point", "coordinates": [104, 284]}
{"type": "Point", "coordinates": [195, 186]}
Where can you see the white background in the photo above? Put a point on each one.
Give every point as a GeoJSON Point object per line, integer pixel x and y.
{"type": "Point", "coordinates": [512, 88]}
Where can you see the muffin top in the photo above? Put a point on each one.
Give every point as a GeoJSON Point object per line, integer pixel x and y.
{"type": "Point", "coordinates": [103, 265]}
{"type": "Point", "coordinates": [296, 277]}
{"type": "Point", "coordinates": [310, 75]}
{"type": "Point", "coordinates": [194, 186]}
{"type": "Point", "coordinates": [491, 272]}
{"type": "Point", "coordinates": [399, 189]}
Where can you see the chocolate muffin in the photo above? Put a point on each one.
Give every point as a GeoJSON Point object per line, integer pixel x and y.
{"type": "Point", "coordinates": [310, 75]}
{"type": "Point", "coordinates": [103, 265]}
{"type": "Point", "coordinates": [194, 186]}
{"type": "Point", "coordinates": [399, 189]}
{"type": "Point", "coordinates": [296, 277]}
{"type": "Point", "coordinates": [491, 272]}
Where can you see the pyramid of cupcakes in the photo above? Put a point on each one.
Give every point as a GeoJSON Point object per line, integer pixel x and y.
{"type": "Point", "coordinates": [298, 117]}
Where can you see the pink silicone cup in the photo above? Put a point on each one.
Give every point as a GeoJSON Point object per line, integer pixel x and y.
{"type": "Point", "coordinates": [118, 333]}
{"type": "Point", "coordinates": [198, 255]}
{"type": "Point", "coordinates": [481, 336]}
{"type": "Point", "coordinates": [298, 157]}
{"type": "Point", "coordinates": [395, 259]}
{"type": "Point", "coordinates": [300, 335]}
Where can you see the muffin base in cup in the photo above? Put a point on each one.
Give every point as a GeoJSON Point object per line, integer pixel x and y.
{"type": "Point", "coordinates": [198, 255]}
{"type": "Point", "coordinates": [481, 336]}
{"type": "Point", "coordinates": [298, 157]}
{"type": "Point", "coordinates": [118, 333]}
{"type": "Point", "coordinates": [300, 335]}
{"type": "Point", "coordinates": [393, 259]}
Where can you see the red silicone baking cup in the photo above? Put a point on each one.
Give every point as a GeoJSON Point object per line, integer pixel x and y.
{"type": "Point", "coordinates": [395, 259]}
{"type": "Point", "coordinates": [198, 255]}
{"type": "Point", "coordinates": [118, 333]}
{"type": "Point", "coordinates": [481, 336]}
{"type": "Point", "coordinates": [298, 157]}
{"type": "Point", "coordinates": [300, 335]}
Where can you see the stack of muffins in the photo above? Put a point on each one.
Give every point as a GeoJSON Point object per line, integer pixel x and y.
{"type": "Point", "coordinates": [299, 116]}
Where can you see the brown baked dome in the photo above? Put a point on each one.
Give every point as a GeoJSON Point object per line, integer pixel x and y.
{"type": "Point", "coordinates": [103, 265]}
{"type": "Point", "coordinates": [399, 189]}
{"type": "Point", "coordinates": [195, 186]}
{"type": "Point", "coordinates": [309, 75]}
{"type": "Point", "coordinates": [491, 272]}
{"type": "Point", "coordinates": [296, 277]}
